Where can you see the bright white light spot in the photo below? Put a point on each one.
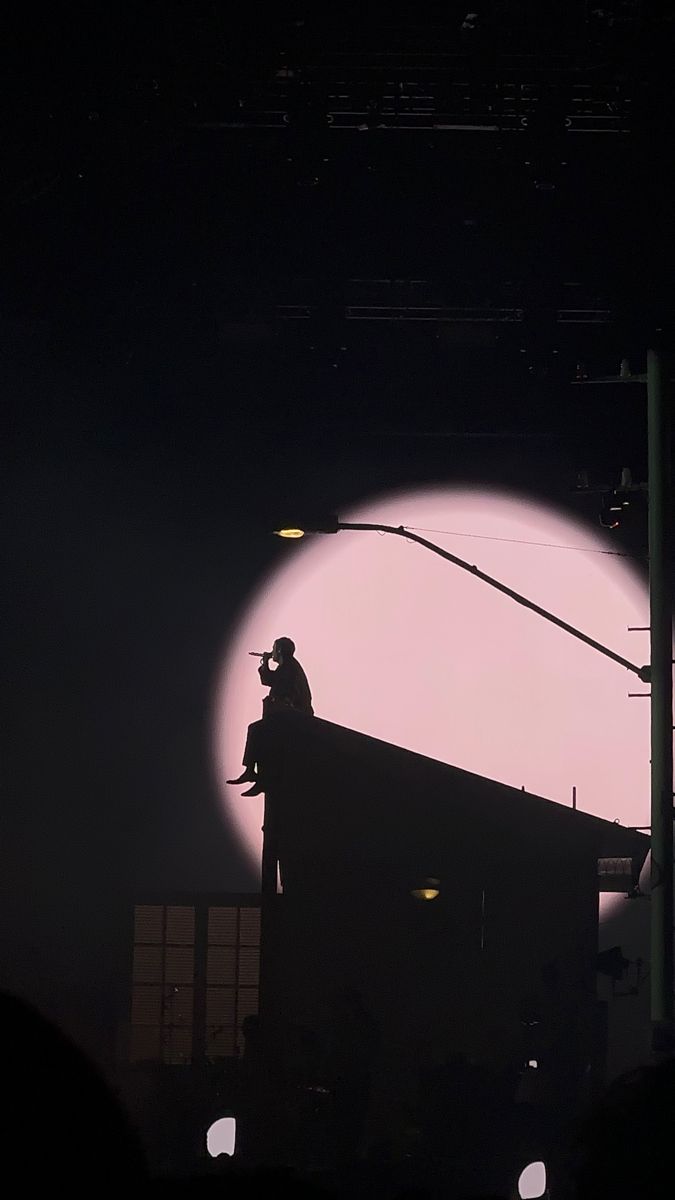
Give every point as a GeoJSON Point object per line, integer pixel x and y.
{"type": "Point", "coordinates": [532, 1181]}
{"type": "Point", "coordinates": [221, 1137]}
{"type": "Point", "coordinates": [533, 1063]}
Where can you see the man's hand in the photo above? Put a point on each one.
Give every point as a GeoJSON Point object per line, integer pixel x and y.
{"type": "Point", "coordinates": [266, 657]}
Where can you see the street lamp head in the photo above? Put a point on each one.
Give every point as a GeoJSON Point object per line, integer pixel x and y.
{"type": "Point", "coordinates": [322, 525]}
{"type": "Point", "coordinates": [428, 890]}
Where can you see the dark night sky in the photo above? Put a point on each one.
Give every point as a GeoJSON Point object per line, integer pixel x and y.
{"type": "Point", "coordinates": [156, 422]}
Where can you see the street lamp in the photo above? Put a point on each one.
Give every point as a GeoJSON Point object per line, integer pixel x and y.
{"type": "Point", "coordinates": [289, 532]}
{"type": "Point", "coordinates": [324, 524]}
{"type": "Point", "coordinates": [333, 525]}
{"type": "Point", "coordinates": [428, 889]}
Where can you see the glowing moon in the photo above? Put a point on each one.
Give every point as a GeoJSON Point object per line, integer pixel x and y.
{"type": "Point", "coordinates": [405, 647]}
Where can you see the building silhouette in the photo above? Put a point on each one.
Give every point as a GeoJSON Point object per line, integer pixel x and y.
{"type": "Point", "coordinates": [497, 969]}
{"type": "Point", "coordinates": [419, 968]}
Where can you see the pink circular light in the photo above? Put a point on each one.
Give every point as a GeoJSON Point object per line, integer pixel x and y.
{"type": "Point", "coordinates": [412, 650]}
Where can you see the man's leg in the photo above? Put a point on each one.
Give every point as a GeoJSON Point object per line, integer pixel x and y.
{"type": "Point", "coordinates": [250, 758]}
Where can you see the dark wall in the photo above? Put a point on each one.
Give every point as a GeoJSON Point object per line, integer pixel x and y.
{"type": "Point", "coordinates": [500, 966]}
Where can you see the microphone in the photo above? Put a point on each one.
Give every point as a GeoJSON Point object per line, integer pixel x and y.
{"type": "Point", "coordinates": [261, 654]}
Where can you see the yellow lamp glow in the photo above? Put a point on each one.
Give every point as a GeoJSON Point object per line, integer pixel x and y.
{"type": "Point", "coordinates": [429, 890]}
{"type": "Point", "coordinates": [290, 532]}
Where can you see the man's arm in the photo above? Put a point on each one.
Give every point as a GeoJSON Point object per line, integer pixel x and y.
{"type": "Point", "coordinates": [266, 676]}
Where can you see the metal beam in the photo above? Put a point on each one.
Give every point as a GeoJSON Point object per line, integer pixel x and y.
{"type": "Point", "coordinates": [661, 641]}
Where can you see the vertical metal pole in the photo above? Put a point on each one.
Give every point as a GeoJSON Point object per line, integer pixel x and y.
{"type": "Point", "coordinates": [268, 1000]}
{"type": "Point", "coordinates": [268, 898]}
{"type": "Point", "coordinates": [660, 621]}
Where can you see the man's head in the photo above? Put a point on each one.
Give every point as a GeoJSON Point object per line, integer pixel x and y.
{"type": "Point", "coordinates": [283, 648]}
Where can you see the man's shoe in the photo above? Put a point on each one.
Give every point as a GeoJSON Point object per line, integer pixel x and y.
{"type": "Point", "coordinates": [256, 790]}
{"type": "Point", "coordinates": [245, 777]}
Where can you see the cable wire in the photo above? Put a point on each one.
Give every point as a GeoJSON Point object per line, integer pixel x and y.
{"type": "Point", "coordinates": [485, 537]}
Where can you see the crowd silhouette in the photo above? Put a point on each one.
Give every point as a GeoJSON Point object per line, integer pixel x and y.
{"type": "Point", "coordinates": [63, 1125]}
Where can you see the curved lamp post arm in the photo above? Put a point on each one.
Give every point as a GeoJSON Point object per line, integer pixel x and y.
{"type": "Point", "coordinates": [401, 531]}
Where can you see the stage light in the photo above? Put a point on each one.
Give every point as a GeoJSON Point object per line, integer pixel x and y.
{"type": "Point", "coordinates": [428, 890]}
{"type": "Point", "coordinates": [316, 590]}
{"type": "Point", "coordinates": [289, 532]}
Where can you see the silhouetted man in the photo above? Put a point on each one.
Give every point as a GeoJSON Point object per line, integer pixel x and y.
{"type": "Point", "coordinates": [289, 693]}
